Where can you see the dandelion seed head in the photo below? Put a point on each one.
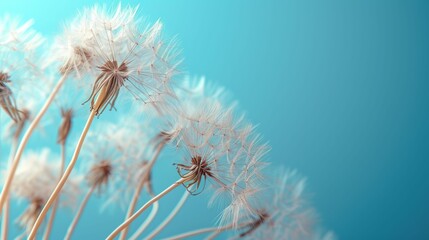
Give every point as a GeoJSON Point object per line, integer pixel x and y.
{"type": "Point", "coordinates": [116, 155]}
{"type": "Point", "coordinates": [100, 174]}
{"type": "Point", "coordinates": [66, 125]}
{"type": "Point", "coordinates": [33, 183]}
{"type": "Point", "coordinates": [7, 100]}
{"type": "Point", "coordinates": [27, 219]}
{"type": "Point", "coordinates": [218, 150]}
{"type": "Point", "coordinates": [285, 213]}
{"type": "Point", "coordinates": [37, 176]}
{"type": "Point", "coordinates": [127, 56]}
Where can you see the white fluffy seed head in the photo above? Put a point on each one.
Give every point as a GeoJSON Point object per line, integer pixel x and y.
{"type": "Point", "coordinates": [218, 148]}
{"type": "Point", "coordinates": [37, 176]}
{"type": "Point", "coordinates": [117, 50]}
{"type": "Point", "coordinates": [121, 150]}
{"type": "Point", "coordinates": [284, 213]}
{"type": "Point", "coordinates": [34, 181]}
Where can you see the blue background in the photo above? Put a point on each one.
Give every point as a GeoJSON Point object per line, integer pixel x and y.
{"type": "Point", "coordinates": [339, 88]}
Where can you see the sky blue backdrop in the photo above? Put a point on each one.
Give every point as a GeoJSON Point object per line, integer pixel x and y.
{"type": "Point", "coordinates": [340, 89]}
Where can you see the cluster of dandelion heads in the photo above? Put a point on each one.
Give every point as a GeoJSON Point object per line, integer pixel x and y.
{"type": "Point", "coordinates": [218, 150]}
{"type": "Point", "coordinates": [100, 54]}
{"type": "Point", "coordinates": [285, 212]}
{"type": "Point", "coordinates": [34, 181]}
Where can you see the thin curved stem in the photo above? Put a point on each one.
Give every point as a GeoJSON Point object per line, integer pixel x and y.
{"type": "Point", "coordinates": [146, 223]}
{"type": "Point", "coordinates": [63, 179]}
{"type": "Point", "coordinates": [24, 141]}
{"type": "Point", "coordinates": [218, 230]}
{"type": "Point", "coordinates": [142, 209]}
{"type": "Point", "coordinates": [196, 232]}
{"type": "Point", "coordinates": [170, 216]}
{"type": "Point", "coordinates": [5, 218]}
{"type": "Point", "coordinates": [140, 187]}
{"type": "Point", "coordinates": [79, 213]}
{"type": "Point", "coordinates": [213, 235]}
{"type": "Point", "coordinates": [55, 207]}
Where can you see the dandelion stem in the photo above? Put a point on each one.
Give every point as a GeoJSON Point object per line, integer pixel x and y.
{"type": "Point", "coordinates": [213, 235]}
{"type": "Point", "coordinates": [139, 188]}
{"type": "Point", "coordinates": [216, 230]}
{"type": "Point", "coordinates": [146, 223]}
{"type": "Point", "coordinates": [170, 216]}
{"type": "Point", "coordinates": [55, 207]}
{"type": "Point", "coordinates": [5, 221]}
{"type": "Point", "coordinates": [25, 138]}
{"type": "Point", "coordinates": [199, 231]}
{"type": "Point", "coordinates": [142, 209]}
{"type": "Point", "coordinates": [79, 213]}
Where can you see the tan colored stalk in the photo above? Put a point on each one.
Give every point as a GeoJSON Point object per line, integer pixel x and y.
{"type": "Point", "coordinates": [198, 232]}
{"type": "Point", "coordinates": [5, 218]}
{"type": "Point", "coordinates": [55, 207]}
{"type": "Point", "coordinates": [213, 235]}
{"type": "Point", "coordinates": [139, 188]}
{"type": "Point", "coordinates": [216, 230]}
{"type": "Point", "coordinates": [24, 141]}
{"type": "Point", "coordinates": [142, 209]}
{"type": "Point", "coordinates": [146, 223]}
{"type": "Point", "coordinates": [79, 213]}
{"type": "Point", "coordinates": [170, 216]}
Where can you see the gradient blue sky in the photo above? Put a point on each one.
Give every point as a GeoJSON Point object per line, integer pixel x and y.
{"type": "Point", "coordinates": [339, 88]}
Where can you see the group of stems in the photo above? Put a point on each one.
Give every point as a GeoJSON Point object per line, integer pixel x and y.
{"type": "Point", "coordinates": [64, 177]}
{"type": "Point", "coordinates": [13, 167]}
{"type": "Point", "coordinates": [170, 217]}
{"type": "Point", "coordinates": [125, 224]}
{"type": "Point", "coordinates": [146, 223]}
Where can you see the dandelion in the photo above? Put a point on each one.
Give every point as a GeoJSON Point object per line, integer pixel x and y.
{"type": "Point", "coordinates": [217, 148]}
{"type": "Point", "coordinates": [65, 127]}
{"type": "Point", "coordinates": [7, 101]}
{"type": "Point", "coordinates": [130, 60]}
{"type": "Point", "coordinates": [289, 215]}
